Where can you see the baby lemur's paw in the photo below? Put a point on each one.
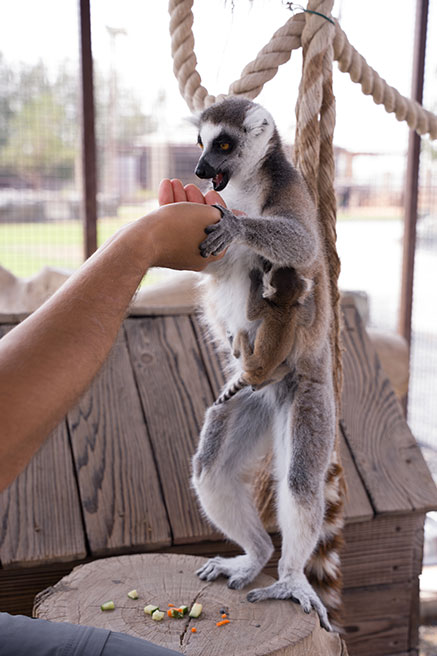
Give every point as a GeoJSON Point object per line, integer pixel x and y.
{"type": "Point", "coordinates": [220, 234]}
{"type": "Point", "coordinates": [240, 570]}
{"type": "Point", "coordinates": [297, 589]}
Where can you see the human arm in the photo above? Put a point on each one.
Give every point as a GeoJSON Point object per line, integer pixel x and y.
{"type": "Point", "coordinates": [49, 359]}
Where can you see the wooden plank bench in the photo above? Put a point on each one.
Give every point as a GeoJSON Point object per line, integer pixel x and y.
{"type": "Point", "coordinates": [114, 478]}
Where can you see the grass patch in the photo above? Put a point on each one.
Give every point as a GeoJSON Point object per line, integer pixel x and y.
{"type": "Point", "coordinates": [27, 247]}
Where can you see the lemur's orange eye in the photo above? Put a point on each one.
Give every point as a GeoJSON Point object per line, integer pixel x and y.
{"type": "Point", "coordinates": [200, 145]}
{"type": "Point", "coordinates": [224, 146]}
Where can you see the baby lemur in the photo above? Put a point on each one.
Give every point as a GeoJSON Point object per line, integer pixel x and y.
{"type": "Point", "coordinates": [295, 413]}
{"type": "Point", "coordinates": [275, 297]}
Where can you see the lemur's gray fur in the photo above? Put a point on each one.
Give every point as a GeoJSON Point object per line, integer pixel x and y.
{"type": "Point", "coordinates": [243, 155]}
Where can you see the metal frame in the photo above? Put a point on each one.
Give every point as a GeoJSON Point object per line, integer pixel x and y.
{"type": "Point", "coordinates": [412, 176]}
{"type": "Point", "coordinates": [89, 171]}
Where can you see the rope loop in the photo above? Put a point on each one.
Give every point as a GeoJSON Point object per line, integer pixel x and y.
{"type": "Point", "coordinates": [277, 52]}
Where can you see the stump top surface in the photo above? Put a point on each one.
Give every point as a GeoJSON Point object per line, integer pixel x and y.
{"type": "Point", "coordinates": [270, 627]}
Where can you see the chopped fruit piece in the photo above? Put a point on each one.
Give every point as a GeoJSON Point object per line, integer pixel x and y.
{"type": "Point", "coordinates": [157, 615]}
{"type": "Point", "coordinates": [108, 605]}
{"type": "Point", "coordinates": [193, 629]}
{"type": "Point", "coordinates": [195, 611]}
{"type": "Point", "coordinates": [133, 594]}
{"type": "Point", "coordinates": [222, 622]}
{"type": "Point", "coordinates": [150, 609]}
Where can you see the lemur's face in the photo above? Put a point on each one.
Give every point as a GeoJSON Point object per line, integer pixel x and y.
{"type": "Point", "coordinates": [233, 135]}
{"type": "Point", "coordinates": [221, 150]}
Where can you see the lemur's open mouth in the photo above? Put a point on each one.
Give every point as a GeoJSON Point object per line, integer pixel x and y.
{"type": "Point", "coordinates": [220, 181]}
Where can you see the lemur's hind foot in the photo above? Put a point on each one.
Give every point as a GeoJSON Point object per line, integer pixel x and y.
{"type": "Point", "coordinates": [240, 570]}
{"type": "Point", "coordinates": [296, 588]}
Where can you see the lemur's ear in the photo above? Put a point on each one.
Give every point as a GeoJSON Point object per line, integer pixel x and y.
{"type": "Point", "coordinates": [194, 119]}
{"type": "Point", "coordinates": [257, 120]}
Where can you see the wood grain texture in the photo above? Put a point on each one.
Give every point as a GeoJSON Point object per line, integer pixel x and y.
{"type": "Point", "coordinates": [40, 518]}
{"type": "Point", "coordinates": [357, 507]}
{"type": "Point", "coordinates": [119, 486]}
{"type": "Point", "coordinates": [383, 448]}
{"type": "Point", "coordinates": [281, 628]}
{"type": "Point", "coordinates": [376, 619]}
{"type": "Point", "coordinates": [19, 586]}
{"type": "Point", "coordinates": [175, 393]}
{"type": "Point", "coordinates": [213, 361]}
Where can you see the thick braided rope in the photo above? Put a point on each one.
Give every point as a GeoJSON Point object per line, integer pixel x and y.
{"type": "Point", "coordinates": [278, 51]}
{"type": "Point", "coordinates": [314, 156]}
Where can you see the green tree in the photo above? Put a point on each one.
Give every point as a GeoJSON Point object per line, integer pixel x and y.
{"type": "Point", "coordinates": [39, 119]}
{"type": "Point", "coordinates": [39, 146]}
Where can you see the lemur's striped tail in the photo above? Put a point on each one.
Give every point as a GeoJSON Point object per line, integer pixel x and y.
{"type": "Point", "coordinates": [231, 389]}
{"type": "Point", "coordinates": [323, 568]}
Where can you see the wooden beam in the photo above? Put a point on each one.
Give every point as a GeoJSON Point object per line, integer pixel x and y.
{"type": "Point", "coordinates": [89, 177]}
{"type": "Point", "coordinates": [412, 176]}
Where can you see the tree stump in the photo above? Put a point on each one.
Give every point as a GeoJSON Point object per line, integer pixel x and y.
{"type": "Point", "coordinates": [268, 627]}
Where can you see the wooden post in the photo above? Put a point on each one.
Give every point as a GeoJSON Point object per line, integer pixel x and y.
{"type": "Point", "coordinates": [412, 176]}
{"type": "Point", "coordinates": [89, 177]}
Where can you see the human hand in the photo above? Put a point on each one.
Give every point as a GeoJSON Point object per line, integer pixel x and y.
{"type": "Point", "coordinates": [173, 191]}
{"type": "Point", "coordinates": [174, 233]}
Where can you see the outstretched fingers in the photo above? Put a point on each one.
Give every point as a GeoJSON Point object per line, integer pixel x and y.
{"type": "Point", "coordinates": [165, 192]}
{"type": "Point", "coordinates": [194, 195]}
{"type": "Point", "coordinates": [213, 198]}
{"type": "Point", "coordinates": [173, 191]}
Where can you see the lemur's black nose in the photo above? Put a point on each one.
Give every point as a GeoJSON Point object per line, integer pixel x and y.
{"type": "Point", "coordinates": [204, 170]}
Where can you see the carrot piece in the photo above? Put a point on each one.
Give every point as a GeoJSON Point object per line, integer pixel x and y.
{"type": "Point", "coordinates": [193, 629]}
{"type": "Point", "coordinates": [169, 613]}
{"type": "Point", "coordinates": [222, 622]}
{"type": "Point", "coordinates": [170, 605]}
{"type": "Point", "coordinates": [224, 616]}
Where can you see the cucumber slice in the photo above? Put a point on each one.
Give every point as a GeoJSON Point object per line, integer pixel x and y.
{"type": "Point", "coordinates": [108, 605]}
{"type": "Point", "coordinates": [133, 594]}
{"type": "Point", "coordinates": [150, 609]}
{"type": "Point", "coordinates": [158, 615]}
{"type": "Point", "coordinates": [195, 611]}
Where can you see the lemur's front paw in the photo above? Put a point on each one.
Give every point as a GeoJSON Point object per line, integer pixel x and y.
{"type": "Point", "coordinates": [220, 234]}
{"type": "Point", "coordinates": [297, 589]}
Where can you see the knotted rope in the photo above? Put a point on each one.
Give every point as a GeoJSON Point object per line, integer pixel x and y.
{"type": "Point", "coordinates": [278, 51]}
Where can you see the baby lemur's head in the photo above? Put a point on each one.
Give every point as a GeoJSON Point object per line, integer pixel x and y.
{"type": "Point", "coordinates": [234, 135]}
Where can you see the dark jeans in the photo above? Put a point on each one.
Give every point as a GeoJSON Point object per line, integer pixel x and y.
{"type": "Point", "coordinates": [22, 636]}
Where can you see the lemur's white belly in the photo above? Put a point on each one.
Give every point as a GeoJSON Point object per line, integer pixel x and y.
{"type": "Point", "coordinates": [228, 290]}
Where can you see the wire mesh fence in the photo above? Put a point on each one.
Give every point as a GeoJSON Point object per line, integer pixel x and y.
{"type": "Point", "coordinates": [142, 136]}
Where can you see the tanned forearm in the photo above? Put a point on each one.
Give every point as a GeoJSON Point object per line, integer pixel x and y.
{"type": "Point", "coordinates": [48, 360]}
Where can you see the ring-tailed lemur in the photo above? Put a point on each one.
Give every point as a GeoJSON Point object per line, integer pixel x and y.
{"type": "Point", "coordinates": [243, 155]}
